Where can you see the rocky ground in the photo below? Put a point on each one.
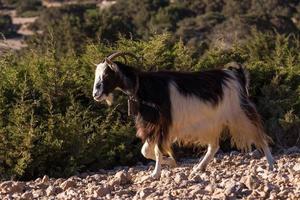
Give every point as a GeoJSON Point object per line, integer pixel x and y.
{"type": "Point", "coordinates": [228, 176]}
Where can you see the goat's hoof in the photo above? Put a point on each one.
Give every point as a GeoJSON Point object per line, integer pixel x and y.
{"type": "Point", "coordinates": [149, 178]}
{"type": "Point", "coordinates": [155, 176]}
{"type": "Point", "coordinates": [194, 175]}
{"type": "Point", "coordinates": [198, 168]}
{"type": "Point", "coordinates": [272, 166]}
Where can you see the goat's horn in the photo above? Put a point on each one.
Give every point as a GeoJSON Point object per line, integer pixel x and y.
{"type": "Point", "coordinates": [122, 53]}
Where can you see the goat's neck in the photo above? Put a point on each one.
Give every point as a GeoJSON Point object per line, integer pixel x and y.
{"type": "Point", "coordinates": [130, 87]}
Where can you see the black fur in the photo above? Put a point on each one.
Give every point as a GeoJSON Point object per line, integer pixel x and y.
{"type": "Point", "coordinates": [250, 110]}
{"type": "Point", "coordinates": [153, 87]}
{"type": "Point", "coordinates": [241, 75]}
{"type": "Point", "coordinates": [110, 81]}
{"type": "Point", "coordinates": [206, 85]}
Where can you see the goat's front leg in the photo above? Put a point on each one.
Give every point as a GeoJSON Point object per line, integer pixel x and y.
{"type": "Point", "coordinates": [148, 152]}
{"type": "Point", "coordinates": [158, 157]}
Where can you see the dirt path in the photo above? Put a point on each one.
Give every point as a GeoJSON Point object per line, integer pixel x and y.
{"type": "Point", "coordinates": [229, 176]}
{"type": "Point", "coordinates": [100, 3]}
{"type": "Point", "coordinates": [24, 22]}
{"type": "Point", "coordinates": [18, 42]}
{"type": "Point", "coordinates": [14, 44]}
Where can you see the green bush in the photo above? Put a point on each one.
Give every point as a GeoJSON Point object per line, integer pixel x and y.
{"type": "Point", "coordinates": [9, 3]}
{"type": "Point", "coordinates": [28, 8]}
{"type": "Point", "coordinates": [199, 24]}
{"type": "Point", "coordinates": [49, 123]}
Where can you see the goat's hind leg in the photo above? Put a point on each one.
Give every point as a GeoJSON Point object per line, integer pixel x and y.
{"type": "Point", "coordinates": [246, 131]}
{"type": "Point", "coordinates": [211, 151]}
{"type": "Point", "coordinates": [269, 157]}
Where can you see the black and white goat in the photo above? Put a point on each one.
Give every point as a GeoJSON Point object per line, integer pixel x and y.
{"type": "Point", "coordinates": [188, 107]}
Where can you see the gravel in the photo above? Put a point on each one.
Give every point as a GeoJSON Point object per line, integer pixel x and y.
{"type": "Point", "coordinates": [228, 176]}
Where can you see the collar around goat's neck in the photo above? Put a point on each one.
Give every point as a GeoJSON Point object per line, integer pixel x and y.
{"type": "Point", "coordinates": [136, 88]}
{"type": "Point", "coordinates": [133, 99]}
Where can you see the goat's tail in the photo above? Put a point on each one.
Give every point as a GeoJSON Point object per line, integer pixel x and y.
{"type": "Point", "coordinates": [241, 74]}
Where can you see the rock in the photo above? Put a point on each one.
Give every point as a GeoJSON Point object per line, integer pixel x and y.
{"type": "Point", "coordinates": [230, 187]}
{"type": "Point", "coordinates": [121, 178]}
{"type": "Point", "coordinates": [12, 187]}
{"type": "Point", "coordinates": [251, 181]}
{"type": "Point", "coordinates": [41, 186]}
{"type": "Point", "coordinates": [90, 189]}
{"type": "Point", "coordinates": [27, 195]}
{"type": "Point", "coordinates": [210, 188]}
{"type": "Point", "coordinates": [262, 194]}
{"type": "Point", "coordinates": [38, 180]}
{"type": "Point", "coordinates": [16, 195]}
{"type": "Point", "coordinates": [68, 184]}
{"type": "Point", "coordinates": [242, 180]}
{"type": "Point", "coordinates": [38, 193]}
{"type": "Point", "coordinates": [53, 190]}
{"type": "Point", "coordinates": [62, 195]}
{"type": "Point", "coordinates": [292, 150]}
{"type": "Point", "coordinates": [50, 191]}
{"type": "Point", "coordinates": [196, 189]}
{"type": "Point", "coordinates": [143, 193]}
{"type": "Point", "coordinates": [131, 170]}
{"type": "Point", "coordinates": [165, 173]}
{"type": "Point", "coordinates": [180, 177]}
{"type": "Point", "coordinates": [101, 191]}
{"type": "Point", "coordinates": [196, 178]}
{"type": "Point", "coordinates": [97, 177]}
{"type": "Point", "coordinates": [45, 180]}
{"type": "Point", "coordinates": [71, 192]}
{"type": "Point", "coordinates": [5, 186]}
{"type": "Point", "coordinates": [296, 167]}
{"type": "Point", "coordinates": [58, 181]}
{"type": "Point", "coordinates": [143, 179]}
{"type": "Point", "coordinates": [154, 195]}
{"type": "Point", "coordinates": [260, 169]}
{"type": "Point", "coordinates": [255, 154]}
{"type": "Point", "coordinates": [218, 194]}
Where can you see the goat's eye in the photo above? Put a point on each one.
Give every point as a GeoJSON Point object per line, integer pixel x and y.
{"type": "Point", "coordinates": [98, 86]}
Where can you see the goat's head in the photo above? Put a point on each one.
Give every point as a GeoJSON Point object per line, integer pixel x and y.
{"type": "Point", "coordinates": [108, 77]}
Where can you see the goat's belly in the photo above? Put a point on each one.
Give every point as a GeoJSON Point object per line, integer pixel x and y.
{"type": "Point", "coordinates": [203, 131]}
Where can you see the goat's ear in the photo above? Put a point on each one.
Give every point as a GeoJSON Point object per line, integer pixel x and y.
{"type": "Point", "coordinates": [112, 65]}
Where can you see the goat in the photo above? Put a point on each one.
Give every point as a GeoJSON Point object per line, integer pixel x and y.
{"type": "Point", "coordinates": [188, 107]}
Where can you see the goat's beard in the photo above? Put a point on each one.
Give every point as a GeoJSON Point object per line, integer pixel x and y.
{"type": "Point", "coordinates": [109, 99]}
